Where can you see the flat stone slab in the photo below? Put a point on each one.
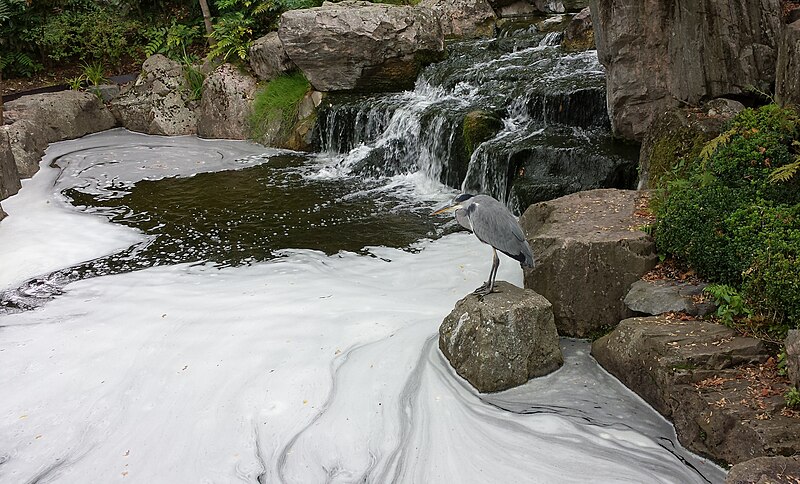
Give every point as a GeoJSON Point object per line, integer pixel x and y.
{"type": "Point", "coordinates": [721, 390]}
{"type": "Point", "coordinates": [766, 470]}
{"type": "Point", "coordinates": [668, 296]}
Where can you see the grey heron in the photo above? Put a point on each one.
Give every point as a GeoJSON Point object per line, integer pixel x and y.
{"type": "Point", "coordinates": [494, 225]}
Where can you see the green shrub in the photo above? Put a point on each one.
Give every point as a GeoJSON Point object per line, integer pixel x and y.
{"type": "Point", "coordinates": [735, 222]}
{"type": "Point", "coordinates": [276, 104]}
{"type": "Point", "coordinates": [692, 226]}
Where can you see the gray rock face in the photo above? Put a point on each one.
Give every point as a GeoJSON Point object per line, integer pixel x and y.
{"type": "Point", "coordinates": [658, 54]}
{"type": "Point", "coordinates": [579, 34]}
{"type": "Point", "coordinates": [588, 251]}
{"type": "Point", "coordinates": [704, 377]}
{"type": "Point", "coordinates": [787, 82]}
{"type": "Point", "coordinates": [9, 178]}
{"type": "Point", "coordinates": [62, 115]}
{"type": "Point", "coordinates": [28, 142]}
{"type": "Point", "coordinates": [665, 296]}
{"type": "Point", "coordinates": [226, 104]}
{"type": "Point", "coordinates": [792, 345]}
{"type": "Point", "coordinates": [361, 46]}
{"type": "Point", "coordinates": [502, 340]}
{"type": "Point", "coordinates": [765, 470]}
{"type": "Point", "coordinates": [268, 58]}
{"type": "Point", "coordinates": [159, 101]}
{"type": "Point", "coordinates": [550, 6]}
{"type": "Point", "coordinates": [464, 18]}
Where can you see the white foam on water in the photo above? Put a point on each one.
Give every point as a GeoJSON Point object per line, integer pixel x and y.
{"type": "Point", "coordinates": [308, 368]}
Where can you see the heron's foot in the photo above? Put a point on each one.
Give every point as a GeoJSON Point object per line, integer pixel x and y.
{"type": "Point", "coordinates": [484, 290]}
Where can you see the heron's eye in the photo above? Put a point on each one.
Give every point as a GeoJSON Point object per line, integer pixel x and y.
{"type": "Point", "coordinates": [462, 197]}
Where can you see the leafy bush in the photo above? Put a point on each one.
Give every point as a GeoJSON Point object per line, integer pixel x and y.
{"type": "Point", "coordinates": [737, 223]}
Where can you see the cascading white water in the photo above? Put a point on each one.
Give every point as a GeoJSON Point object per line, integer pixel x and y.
{"type": "Point", "coordinates": [525, 81]}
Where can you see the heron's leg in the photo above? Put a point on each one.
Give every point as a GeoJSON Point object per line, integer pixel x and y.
{"type": "Point", "coordinates": [488, 286]}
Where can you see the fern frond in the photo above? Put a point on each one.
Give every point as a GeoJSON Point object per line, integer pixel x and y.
{"type": "Point", "coordinates": [786, 172]}
{"type": "Point", "coordinates": [715, 143]}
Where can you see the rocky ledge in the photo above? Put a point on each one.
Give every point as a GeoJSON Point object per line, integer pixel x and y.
{"type": "Point", "coordinates": [721, 390]}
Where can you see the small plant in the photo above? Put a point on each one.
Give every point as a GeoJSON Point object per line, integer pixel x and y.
{"type": "Point", "coordinates": [94, 73]}
{"type": "Point", "coordinates": [194, 79]}
{"type": "Point", "coordinates": [76, 83]}
{"type": "Point", "coordinates": [730, 304]}
{"type": "Point", "coordinates": [792, 398]}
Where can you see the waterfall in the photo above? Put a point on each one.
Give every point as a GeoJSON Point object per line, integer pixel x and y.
{"type": "Point", "coordinates": [552, 137]}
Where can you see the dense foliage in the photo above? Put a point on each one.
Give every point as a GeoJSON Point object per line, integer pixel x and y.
{"type": "Point", "coordinates": [735, 217]}
{"type": "Point", "coordinates": [116, 33]}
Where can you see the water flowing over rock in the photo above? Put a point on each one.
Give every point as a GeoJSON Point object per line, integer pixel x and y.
{"type": "Point", "coordinates": [9, 178]}
{"type": "Point", "coordinates": [665, 296]}
{"type": "Point", "coordinates": [159, 102]}
{"type": "Point", "coordinates": [588, 252]}
{"type": "Point", "coordinates": [268, 58]}
{"type": "Point", "coordinates": [554, 135]}
{"type": "Point", "coordinates": [765, 470]}
{"type": "Point", "coordinates": [705, 377]}
{"type": "Point", "coordinates": [361, 46]}
{"type": "Point", "coordinates": [787, 82]}
{"type": "Point", "coordinates": [464, 18]}
{"type": "Point", "coordinates": [226, 104]}
{"type": "Point", "coordinates": [501, 340]}
{"type": "Point", "coordinates": [658, 54]}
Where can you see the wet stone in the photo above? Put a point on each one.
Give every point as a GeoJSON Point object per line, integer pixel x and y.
{"type": "Point", "coordinates": [664, 296]}
{"type": "Point", "coordinates": [501, 340]}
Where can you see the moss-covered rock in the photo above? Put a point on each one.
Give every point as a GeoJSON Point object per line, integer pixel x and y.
{"type": "Point", "coordinates": [284, 112]}
{"type": "Point", "coordinates": [478, 127]}
{"type": "Point", "coordinates": [676, 138]}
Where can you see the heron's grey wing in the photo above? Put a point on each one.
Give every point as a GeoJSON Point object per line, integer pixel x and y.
{"type": "Point", "coordinates": [493, 224]}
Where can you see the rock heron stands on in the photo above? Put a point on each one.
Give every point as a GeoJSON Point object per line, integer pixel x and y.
{"type": "Point", "coordinates": [494, 225]}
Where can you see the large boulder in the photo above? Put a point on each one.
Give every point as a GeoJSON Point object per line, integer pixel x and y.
{"type": "Point", "coordinates": [765, 470]}
{"type": "Point", "coordinates": [355, 45]}
{"type": "Point", "coordinates": [501, 340]}
{"type": "Point", "coordinates": [159, 102]}
{"type": "Point", "coordinates": [787, 82]}
{"type": "Point", "coordinates": [268, 58]}
{"type": "Point", "coordinates": [9, 178]}
{"type": "Point", "coordinates": [659, 55]}
{"type": "Point", "coordinates": [226, 104]}
{"type": "Point", "coordinates": [589, 250]}
{"type": "Point", "coordinates": [63, 115]}
{"type": "Point", "coordinates": [464, 18]}
{"type": "Point", "coordinates": [28, 142]}
{"type": "Point", "coordinates": [721, 390]}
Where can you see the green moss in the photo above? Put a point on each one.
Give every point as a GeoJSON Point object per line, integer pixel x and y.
{"type": "Point", "coordinates": [275, 106]}
{"type": "Point", "coordinates": [479, 126]}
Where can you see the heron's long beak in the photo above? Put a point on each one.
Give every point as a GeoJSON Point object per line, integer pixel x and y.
{"type": "Point", "coordinates": [451, 208]}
